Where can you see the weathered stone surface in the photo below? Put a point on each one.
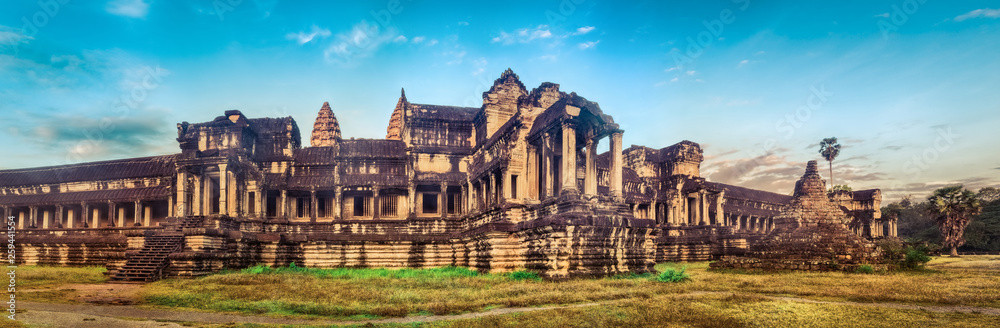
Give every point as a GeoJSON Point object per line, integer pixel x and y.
{"type": "Point", "coordinates": [517, 183]}
{"type": "Point", "coordinates": [810, 234]}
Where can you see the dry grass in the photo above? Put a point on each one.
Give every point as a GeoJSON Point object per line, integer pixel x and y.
{"type": "Point", "coordinates": [43, 284]}
{"type": "Point", "coordinates": [365, 295]}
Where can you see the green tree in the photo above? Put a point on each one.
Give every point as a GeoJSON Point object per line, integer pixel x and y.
{"type": "Point", "coordinates": [829, 148]}
{"type": "Point", "coordinates": [953, 207]}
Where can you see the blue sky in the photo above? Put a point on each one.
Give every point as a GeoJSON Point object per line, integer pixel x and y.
{"type": "Point", "coordinates": [909, 87]}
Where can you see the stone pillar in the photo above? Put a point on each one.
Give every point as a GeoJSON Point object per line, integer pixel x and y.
{"type": "Point", "coordinates": [671, 218]}
{"type": "Point", "coordinates": [137, 213]}
{"type": "Point", "coordinates": [95, 217]}
{"type": "Point", "coordinates": [147, 215]}
{"type": "Point", "coordinates": [283, 210]}
{"type": "Point", "coordinates": [568, 169]}
{"type": "Point", "coordinates": [223, 189]}
{"type": "Point", "coordinates": [58, 222]}
{"type": "Point", "coordinates": [313, 206]}
{"type": "Point", "coordinates": [463, 197]}
{"type": "Point", "coordinates": [652, 211]}
{"type": "Point", "coordinates": [376, 204]}
{"type": "Point", "coordinates": [70, 218]}
{"type": "Point", "coordinates": [182, 204]}
{"type": "Point", "coordinates": [33, 216]}
{"type": "Point", "coordinates": [531, 180]}
{"type": "Point", "coordinates": [261, 202]}
{"type": "Point", "coordinates": [443, 200]}
{"type": "Point", "coordinates": [85, 214]}
{"type": "Point", "coordinates": [507, 185]}
{"type": "Point", "coordinates": [170, 207]}
{"type": "Point", "coordinates": [720, 198]}
{"type": "Point", "coordinates": [615, 178]}
{"type": "Point", "coordinates": [23, 220]}
{"type": "Point", "coordinates": [198, 197]}
{"type": "Point", "coordinates": [338, 202]}
{"type": "Point", "coordinates": [546, 174]}
{"type": "Point", "coordinates": [412, 198]}
{"type": "Point", "coordinates": [590, 169]}
{"type": "Point", "coordinates": [491, 192]}
{"type": "Point", "coordinates": [703, 216]}
{"type": "Point", "coordinates": [121, 217]}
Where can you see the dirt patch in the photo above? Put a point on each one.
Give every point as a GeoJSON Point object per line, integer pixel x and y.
{"type": "Point", "coordinates": [108, 294]}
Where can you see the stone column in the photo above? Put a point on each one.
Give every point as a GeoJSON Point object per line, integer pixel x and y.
{"type": "Point", "coordinates": [491, 192]}
{"type": "Point", "coordinates": [652, 211]}
{"type": "Point", "coordinates": [412, 198]}
{"type": "Point", "coordinates": [720, 216]}
{"type": "Point", "coordinates": [95, 217]}
{"type": "Point", "coordinates": [182, 204]}
{"type": "Point", "coordinates": [546, 174]}
{"type": "Point", "coordinates": [313, 207]}
{"type": "Point", "coordinates": [671, 218]}
{"type": "Point", "coordinates": [507, 185]}
{"type": "Point", "coordinates": [137, 213]}
{"type": "Point", "coordinates": [376, 204]}
{"type": "Point", "coordinates": [198, 197]}
{"type": "Point", "coordinates": [338, 202]}
{"type": "Point", "coordinates": [223, 189]}
{"type": "Point", "coordinates": [568, 169]}
{"type": "Point", "coordinates": [171, 211]}
{"type": "Point", "coordinates": [147, 215]}
{"type": "Point", "coordinates": [443, 200]}
{"type": "Point", "coordinates": [462, 195]}
{"type": "Point", "coordinates": [703, 216]}
{"type": "Point", "coordinates": [590, 170]}
{"type": "Point", "coordinates": [33, 216]}
{"type": "Point", "coordinates": [531, 179]}
{"type": "Point", "coordinates": [615, 178]}
{"type": "Point", "coordinates": [22, 220]}
{"type": "Point", "coordinates": [261, 202]}
{"type": "Point", "coordinates": [58, 222]}
{"type": "Point", "coordinates": [283, 210]}
{"type": "Point", "coordinates": [71, 218]}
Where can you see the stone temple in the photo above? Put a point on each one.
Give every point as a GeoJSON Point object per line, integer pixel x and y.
{"type": "Point", "coordinates": [518, 183]}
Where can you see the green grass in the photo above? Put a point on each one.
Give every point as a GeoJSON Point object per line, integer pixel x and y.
{"type": "Point", "coordinates": [34, 277]}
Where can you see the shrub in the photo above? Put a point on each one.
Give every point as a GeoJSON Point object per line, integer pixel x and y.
{"type": "Point", "coordinates": [673, 275]}
{"type": "Point", "coordinates": [524, 275]}
{"type": "Point", "coordinates": [916, 257]}
{"type": "Point", "coordinates": [865, 269]}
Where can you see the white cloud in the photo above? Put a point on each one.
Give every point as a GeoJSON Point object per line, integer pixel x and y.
{"type": "Point", "coordinates": [432, 42]}
{"type": "Point", "coordinates": [128, 8]}
{"type": "Point", "coordinates": [988, 13]}
{"type": "Point", "coordinates": [11, 36]}
{"type": "Point", "coordinates": [418, 39]}
{"type": "Point", "coordinates": [674, 79]}
{"type": "Point", "coordinates": [361, 41]}
{"type": "Point", "coordinates": [583, 30]}
{"type": "Point", "coordinates": [399, 39]}
{"type": "Point", "coordinates": [588, 44]}
{"type": "Point", "coordinates": [306, 37]}
{"type": "Point", "coordinates": [690, 72]}
{"type": "Point", "coordinates": [883, 15]}
{"type": "Point", "coordinates": [523, 35]}
{"type": "Point", "coordinates": [743, 62]}
{"type": "Point", "coordinates": [672, 69]}
{"type": "Point", "coordinates": [549, 57]}
{"type": "Point", "coordinates": [463, 23]}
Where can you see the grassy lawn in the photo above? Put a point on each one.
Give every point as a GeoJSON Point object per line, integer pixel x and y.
{"type": "Point", "coordinates": [624, 301]}
{"type": "Point", "coordinates": [44, 284]}
{"type": "Point", "coordinates": [371, 293]}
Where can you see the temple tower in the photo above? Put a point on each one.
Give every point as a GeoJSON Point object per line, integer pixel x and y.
{"type": "Point", "coordinates": [326, 130]}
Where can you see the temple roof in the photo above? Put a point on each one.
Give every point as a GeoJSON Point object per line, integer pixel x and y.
{"type": "Point", "coordinates": [372, 148]}
{"type": "Point", "coordinates": [129, 168]}
{"type": "Point", "coordinates": [127, 194]}
{"type": "Point", "coordinates": [444, 113]}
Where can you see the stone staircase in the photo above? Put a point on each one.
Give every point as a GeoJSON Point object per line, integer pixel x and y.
{"type": "Point", "coordinates": [147, 265]}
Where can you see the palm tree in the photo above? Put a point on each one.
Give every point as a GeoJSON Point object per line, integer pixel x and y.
{"type": "Point", "coordinates": [953, 208]}
{"type": "Point", "coordinates": [829, 148]}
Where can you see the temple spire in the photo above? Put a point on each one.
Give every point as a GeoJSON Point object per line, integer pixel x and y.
{"type": "Point", "coordinates": [326, 130]}
{"type": "Point", "coordinates": [395, 129]}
